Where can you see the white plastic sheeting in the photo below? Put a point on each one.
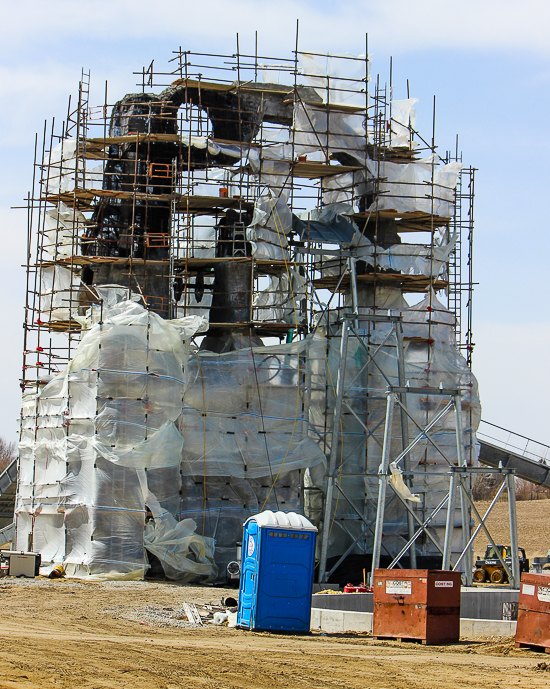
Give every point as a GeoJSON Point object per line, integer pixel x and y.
{"type": "Point", "coordinates": [423, 185]}
{"type": "Point", "coordinates": [58, 290]}
{"type": "Point", "coordinates": [66, 170]}
{"type": "Point", "coordinates": [410, 259]}
{"type": "Point", "coordinates": [403, 118]}
{"type": "Point", "coordinates": [141, 421]}
{"type": "Point", "coordinates": [420, 186]}
{"type": "Point", "coordinates": [96, 426]}
{"type": "Point", "coordinates": [316, 129]}
{"type": "Point", "coordinates": [62, 228]}
{"type": "Point", "coordinates": [336, 78]}
{"type": "Point", "coordinates": [245, 414]}
{"type": "Point", "coordinates": [279, 300]}
{"type": "Point", "coordinates": [271, 223]}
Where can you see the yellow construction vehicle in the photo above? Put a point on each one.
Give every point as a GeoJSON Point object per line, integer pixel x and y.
{"type": "Point", "coordinates": [490, 568]}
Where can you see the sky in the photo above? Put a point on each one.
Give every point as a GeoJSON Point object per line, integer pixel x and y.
{"type": "Point", "coordinates": [487, 62]}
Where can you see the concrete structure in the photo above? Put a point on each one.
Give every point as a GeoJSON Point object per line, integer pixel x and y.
{"type": "Point", "coordinates": [336, 621]}
{"type": "Point", "coordinates": [482, 611]}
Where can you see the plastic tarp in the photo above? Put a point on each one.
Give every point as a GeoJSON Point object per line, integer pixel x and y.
{"type": "Point", "coordinates": [330, 224]}
{"type": "Point", "coordinates": [66, 168]}
{"type": "Point", "coordinates": [315, 129]}
{"type": "Point", "coordinates": [62, 228]}
{"type": "Point", "coordinates": [424, 186]}
{"type": "Point", "coordinates": [337, 79]}
{"type": "Point", "coordinates": [58, 290]}
{"type": "Point", "coordinates": [126, 429]}
{"type": "Point", "coordinates": [271, 223]}
{"type": "Point", "coordinates": [403, 118]}
{"type": "Point", "coordinates": [409, 259]}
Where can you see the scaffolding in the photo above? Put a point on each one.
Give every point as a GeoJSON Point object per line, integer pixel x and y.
{"type": "Point", "coordinates": [202, 249]}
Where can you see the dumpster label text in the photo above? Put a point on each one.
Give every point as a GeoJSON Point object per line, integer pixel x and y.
{"type": "Point", "coordinates": [528, 589]}
{"type": "Point", "coordinates": [402, 587]}
{"type": "Point", "coordinates": [543, 594]}
{"type": "Point", "coordinates": [444, 584]}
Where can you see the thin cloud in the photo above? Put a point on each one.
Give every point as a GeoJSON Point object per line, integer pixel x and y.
{"type": "Point", "coordinates": [399, 25]}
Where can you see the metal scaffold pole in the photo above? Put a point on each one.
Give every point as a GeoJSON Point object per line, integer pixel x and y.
{"type": "Point", "coordinates": [383, 482]}
{"type": "Point", "coordinates": [334, 449]}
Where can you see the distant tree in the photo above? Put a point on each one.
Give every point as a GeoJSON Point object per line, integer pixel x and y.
{"type": "Point", "coordinates": [8, 452]}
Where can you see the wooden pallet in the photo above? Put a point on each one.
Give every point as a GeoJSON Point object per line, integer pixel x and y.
{"type": "Point", "coordinates": [400, 639]}
{"type": "Point", "coordinates": [532, 647]}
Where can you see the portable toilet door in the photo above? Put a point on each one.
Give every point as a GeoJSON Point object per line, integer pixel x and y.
{"type": "Point", "coordinates": [277, 572]}
{"type": "Point", "coordinates": [249, 568]}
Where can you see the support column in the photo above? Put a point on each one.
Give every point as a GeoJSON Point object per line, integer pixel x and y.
{"type": "Point", "coordinates": [382, 484]}
{"type": "Point", "coordinates": [510, 479]}
{"type": "Point", "coordinates": [405, 432]}
{"type": "Point", "coordinates": [449, 526]}
{"type": "Point", "coordinates": [340, 382]}
{"type": "Point", "coordinates": [464, 505]}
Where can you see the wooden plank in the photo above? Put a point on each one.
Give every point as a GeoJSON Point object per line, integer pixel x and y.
{"type": "Point", "coordinates": [414, 221]}
{"type": "Point", "coordinates": [234, 86]}
{"type": "Point", "coordinates": [334, 107]}
{"type": "Point", "coordinates": [313, 169]}
{"type": "Point", "coordinates": [407, 283]}
{"type": "Point", "coordinates": [198, 204]}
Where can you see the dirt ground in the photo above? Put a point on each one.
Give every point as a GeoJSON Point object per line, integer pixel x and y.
{"type": "Point", "coordinates": [70, 635]}
{"type": "Point", "coordinates": [533, 526]}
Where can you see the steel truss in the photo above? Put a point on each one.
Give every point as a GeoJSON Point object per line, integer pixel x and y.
{"type": "Point", "coordinates": [459, 475]}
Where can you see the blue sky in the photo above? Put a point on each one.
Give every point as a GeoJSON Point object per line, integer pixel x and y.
{"type": "Point", "coordinates": [487, 62]}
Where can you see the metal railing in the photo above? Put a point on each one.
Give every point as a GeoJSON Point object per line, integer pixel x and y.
{"type": "Point", "coordinates": [513, 442]}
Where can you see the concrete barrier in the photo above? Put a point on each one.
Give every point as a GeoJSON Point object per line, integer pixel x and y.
{"type": "Point", "coordinates": [339, 621]}
{"type": "Point", "coordinates": [475, 602]}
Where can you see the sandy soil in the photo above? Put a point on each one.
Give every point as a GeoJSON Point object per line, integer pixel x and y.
{"type": "Point", "coordinates": [533, 526]}
{"type": "Point", "coordinates": [72, 635]}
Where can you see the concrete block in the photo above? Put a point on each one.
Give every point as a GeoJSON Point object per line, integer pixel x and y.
{"type": "Point", "coordinates": [337, 621]}
{"type": "Point", "coordinates": [332, 620]}
{"type": "Point", "coordinates": [473, 627]}
{"type": "Point", "coordinates": [485, 603]}
{"type": "Point", "coordinates": [357, 622]}
{"type": "Point", "coordinates": [315, 620]}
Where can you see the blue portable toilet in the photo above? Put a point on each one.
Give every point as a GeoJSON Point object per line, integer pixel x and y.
{"type": "Point", "coordinates": [278, 558]}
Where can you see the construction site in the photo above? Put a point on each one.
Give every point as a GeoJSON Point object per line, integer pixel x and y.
{"type": "Point", "coordinates": [250, 287]}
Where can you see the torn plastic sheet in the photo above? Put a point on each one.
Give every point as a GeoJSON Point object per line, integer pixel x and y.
{"type": "Point", "coordinates": [185, 556]}
{"type": "Point", "coordinates": [399, 485]}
